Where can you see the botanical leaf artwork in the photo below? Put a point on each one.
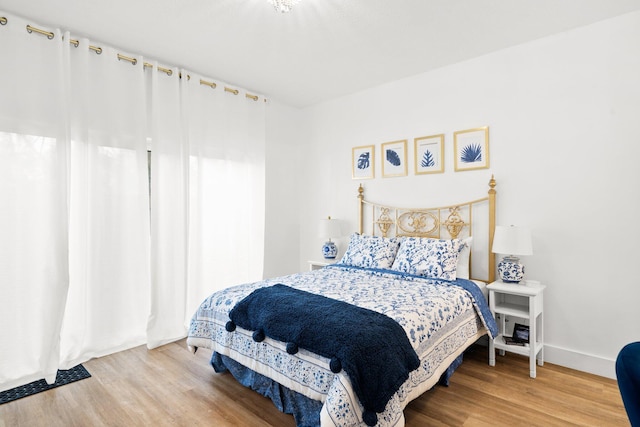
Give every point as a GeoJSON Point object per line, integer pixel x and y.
{"type": "Point", "coordinates": [363, 160]}
{"type": "Point", "coordinates": [471, 153]}
{"type": "Point", "coordinates": [393, 157]}
{"type": "Point", "coordinates": [427, 160]}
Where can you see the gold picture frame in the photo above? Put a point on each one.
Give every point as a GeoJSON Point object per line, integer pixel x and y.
{"type": "Point", "coordinates": [471, 149]}
{"type": "Point", "coordinates": [428, 154]}
{"type": "Point", "coordinates": [394, 158]}
{"type": "Point", "coordinates": [363, 162]}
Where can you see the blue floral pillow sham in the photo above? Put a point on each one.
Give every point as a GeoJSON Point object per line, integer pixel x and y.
{"type": "Point", "coordinates": [370, 251]}
{"type": "Point", "coordinates": [433, 258]}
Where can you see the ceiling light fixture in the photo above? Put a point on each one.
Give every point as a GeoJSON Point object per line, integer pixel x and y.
{"type": "Point", "coordinates": [283, 5]}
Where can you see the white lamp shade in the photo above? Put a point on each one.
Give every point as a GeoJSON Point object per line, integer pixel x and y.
{"type": "Point", "coordinates": [512, 240]}
{"type": "Point", "coordinates": [329, 228]}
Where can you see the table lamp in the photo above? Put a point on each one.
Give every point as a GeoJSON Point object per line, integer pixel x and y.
{"type": "Point", "coordinates": [512, 241]}
{"type": "Point", "coordinates": [329, 228]}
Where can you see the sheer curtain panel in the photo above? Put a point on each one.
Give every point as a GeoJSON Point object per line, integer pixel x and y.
{"type": "Point", "coordinates": [33, 204]}
{"type": "Point", "coordinates": [226, 134]}
{"type": "Point", "coordinates": [108, 300]}
{"type": "Point", "coordinates": [207, 197]}
{"type": "Point", "coordinates": [169, 210]}
{"type": "Point", "coordinates": [101, 250]}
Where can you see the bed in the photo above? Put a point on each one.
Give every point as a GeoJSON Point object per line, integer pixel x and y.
{"type": "Point", "coordinates": [353, 343]}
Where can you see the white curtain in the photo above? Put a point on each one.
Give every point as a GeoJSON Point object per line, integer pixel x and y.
{"type": "Point", "coordinates": [108, 300]}
{"type": "Point", "coordinates": [33, 204]}
{"type": "Point", "coordinates": [207, 197]}
{"type": "Point", "coordinates": [92, 259]}
{"type": "Point", "coordinates": [169, 211]}
{"type": "Point", "coordinates": [226, 145]}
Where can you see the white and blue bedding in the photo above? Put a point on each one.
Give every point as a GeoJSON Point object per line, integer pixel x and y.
{"type": "Point", "coordinates": [440, 318]}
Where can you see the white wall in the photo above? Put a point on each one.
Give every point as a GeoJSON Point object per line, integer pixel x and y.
{"type": "Point", "coordinates": [563, 113]}
{"type": "Point", "coordinates": [282, 182]}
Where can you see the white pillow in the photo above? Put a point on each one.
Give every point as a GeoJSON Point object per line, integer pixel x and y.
{"type": "Point", "coordinates": [462, 271]}
{"type": "Point", "coordinates": [370, 251]}
{"type": "Point", "coordinates": [437, 259]}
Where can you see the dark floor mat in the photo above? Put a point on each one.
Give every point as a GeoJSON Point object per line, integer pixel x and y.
{"type": "Point", "coordinates": [74, 374]}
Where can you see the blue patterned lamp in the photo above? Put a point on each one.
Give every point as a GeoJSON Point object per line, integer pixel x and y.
{"type": "Point", "coordinates": [329, 228]}
{"type": "Point", "coordinates": [512, 241]}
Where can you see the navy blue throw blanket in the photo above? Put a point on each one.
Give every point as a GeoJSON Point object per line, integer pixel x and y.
{"type": "Point", "coordinates": [372, 348]}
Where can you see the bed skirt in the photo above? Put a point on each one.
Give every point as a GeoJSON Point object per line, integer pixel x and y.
{"type": "Point", "coordinates": [305, 411]}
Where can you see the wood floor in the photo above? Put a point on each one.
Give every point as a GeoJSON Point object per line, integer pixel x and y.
{"type": "Point", "coordinates": [169, 386]}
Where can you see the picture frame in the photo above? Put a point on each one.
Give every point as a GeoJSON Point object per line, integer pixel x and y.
{"type": "Point", "coordinates": [428, 154]}
{"type": "Point", "coordinates": [471, 149]}
{"type": "Point", "coordinates": [394, 158]}
{"type": "Point", "coordinates": [363, 162]}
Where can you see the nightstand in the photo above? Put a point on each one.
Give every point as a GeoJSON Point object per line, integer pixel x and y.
{"type": "Point", "coordinates": [522, 301]}
{"type": "Point", "coordinates": [316, 265]}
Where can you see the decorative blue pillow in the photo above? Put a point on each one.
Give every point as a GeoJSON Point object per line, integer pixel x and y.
{"type": "Point", "coordinates": [432, 258]}
{"type": "Point", "coordinates": [370, 251]}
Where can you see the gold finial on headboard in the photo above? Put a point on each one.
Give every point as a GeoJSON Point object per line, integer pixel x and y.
{"type": "Point", "coordinates": [492, 184]}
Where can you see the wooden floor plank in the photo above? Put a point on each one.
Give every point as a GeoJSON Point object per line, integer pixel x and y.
{"type": "Point", "coordinates": [169, 386]}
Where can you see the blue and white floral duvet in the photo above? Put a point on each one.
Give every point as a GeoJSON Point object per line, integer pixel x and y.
{"type": "Point", "coordinates": [440, 319]}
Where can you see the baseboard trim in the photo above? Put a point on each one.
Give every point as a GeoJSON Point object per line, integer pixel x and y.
{"type": "Point", "coordinates": [590, 363]}
{"type": "Point", "coordinates": [571, 359]}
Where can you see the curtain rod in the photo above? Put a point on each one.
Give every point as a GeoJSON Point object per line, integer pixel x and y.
{"type": "Point", "coordinates": [96, 49]}
{"type": "Point", "coordinates": [50, 35]}
{"type": "Point", "coordinates": [31, 29]}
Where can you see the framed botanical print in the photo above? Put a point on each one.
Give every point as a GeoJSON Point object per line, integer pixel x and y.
{"type": "Point", "coordinates": [471, 149]}
{"type": "Point", "coordinates": [363, 162]}
{"type": "Point", "coordinates": [394, 158]}
{"type": "Point", "coordinates": [429, 154]}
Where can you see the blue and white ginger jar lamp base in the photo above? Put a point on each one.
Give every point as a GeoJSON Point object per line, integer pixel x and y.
{"type": "Point", "coordinates": [510, 269]}
{"type": "Point", "coordinates": [329, 250]}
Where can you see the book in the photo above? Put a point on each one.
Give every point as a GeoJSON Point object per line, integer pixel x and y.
{"type": "Point", "coordinates": [511, 341]}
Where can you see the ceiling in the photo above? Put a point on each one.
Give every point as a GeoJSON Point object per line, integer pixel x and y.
{"type": "Point", "coordinates": [322, 49]}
